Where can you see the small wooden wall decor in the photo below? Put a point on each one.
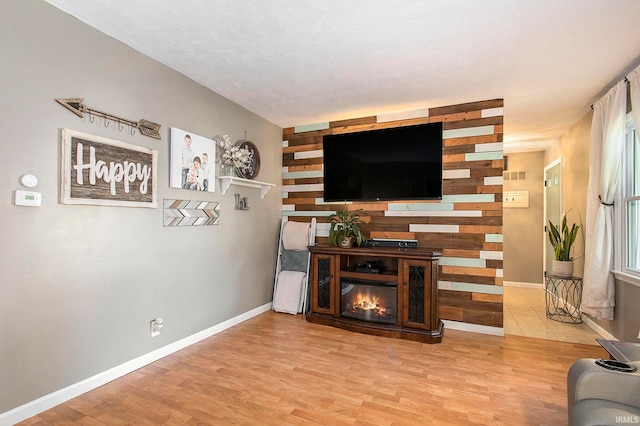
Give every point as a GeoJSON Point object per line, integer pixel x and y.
{"type": "Point", "coordinates": [106, 172]}
{"type": "Point", "coordinates": [191, 213]}
{"type": "Point", "coordinates": [146, 127]}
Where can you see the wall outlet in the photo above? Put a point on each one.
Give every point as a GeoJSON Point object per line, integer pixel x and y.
{"type": "Point", "coordinates": [156, 326]}
{"type": "Point", "coordinates": [638, 334]}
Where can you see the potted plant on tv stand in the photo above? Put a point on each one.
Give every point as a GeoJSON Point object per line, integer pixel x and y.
{"type": "Point", "coordinates": [344, 230]}
{"type": "Point", "coordinates": [562, 240]}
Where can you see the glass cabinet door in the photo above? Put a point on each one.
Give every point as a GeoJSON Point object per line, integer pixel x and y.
{"type": "Point", "coordinates": [323, 284]}
{"type": "Point", "coordinates": [417, 294]}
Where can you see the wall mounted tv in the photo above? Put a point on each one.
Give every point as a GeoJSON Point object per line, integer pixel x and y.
{"type": "Point", "coordinates": [402, 163]}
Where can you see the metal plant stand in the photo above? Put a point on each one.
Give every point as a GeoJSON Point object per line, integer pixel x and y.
{"type": "Point", "coordinates": [563, 295]}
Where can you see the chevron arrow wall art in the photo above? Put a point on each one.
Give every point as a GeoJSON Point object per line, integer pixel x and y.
{"type": "Point", "coordinates": [190, 213]}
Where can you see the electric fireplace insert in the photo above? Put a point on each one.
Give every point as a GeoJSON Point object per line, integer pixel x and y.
{"type": "Point", "coordinates": [373, 301]}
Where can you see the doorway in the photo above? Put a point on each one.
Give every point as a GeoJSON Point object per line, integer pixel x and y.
{"type": "Point", "coordinates": [552, 205]}
{"type": "Point", "coordinates": [524, 305]}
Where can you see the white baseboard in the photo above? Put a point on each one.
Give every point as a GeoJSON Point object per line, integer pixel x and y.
{"type": "Point", "coordinates": [595, 327]}
{"type": "Point", "coordinates": [60, 396]}
{"type": "Point", "coordinates": [475, 328]}
{"type": "Point", "coordinates": [519, 284]}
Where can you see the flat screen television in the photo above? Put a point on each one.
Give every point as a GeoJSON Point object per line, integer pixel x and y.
{"type": "Point", "coordinates": [402, 163]}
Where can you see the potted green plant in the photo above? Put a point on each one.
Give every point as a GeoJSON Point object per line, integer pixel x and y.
{"type": "Point", "coordinates": [344, 230]}
{"type": "Point", "coordinates": [562, 240]}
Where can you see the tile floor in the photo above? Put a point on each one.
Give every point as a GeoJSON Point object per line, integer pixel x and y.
{"type": "Point", "coordinates": [525, 315]}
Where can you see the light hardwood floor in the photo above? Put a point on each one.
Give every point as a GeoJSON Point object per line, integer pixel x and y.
{"type": "Point", "coordinates": [278, 369]}
{"type": "Point", "coordinates": [525, 315]}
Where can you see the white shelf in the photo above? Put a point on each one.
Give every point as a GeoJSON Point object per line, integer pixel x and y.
{"type": "Point", "coordinates": [226, 181]}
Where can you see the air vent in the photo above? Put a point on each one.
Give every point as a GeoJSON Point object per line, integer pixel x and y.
{"type": "Point", "coordinates": [521, 175]}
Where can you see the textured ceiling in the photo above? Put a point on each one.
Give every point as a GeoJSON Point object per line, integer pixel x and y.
{"type": "Point", "coordinates": [302, 62]}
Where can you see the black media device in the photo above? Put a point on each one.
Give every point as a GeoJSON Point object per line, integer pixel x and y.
{"type": "Point", "coordinates": [371, 267]}
{"type": "Point", "coordinates": [402, 163]}
{"type": "Point", "coordinates": [385, 242]}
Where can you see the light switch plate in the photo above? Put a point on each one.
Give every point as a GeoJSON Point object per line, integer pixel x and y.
{"type": "Point", "coordinates": [515, 199]}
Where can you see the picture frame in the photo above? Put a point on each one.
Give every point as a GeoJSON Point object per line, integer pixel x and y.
{"type": "Point", "coordinates": [192, 161]}
{"type": "Point", "coordinates": [105, 172]}
{"type": "Point", "coordinates": [252, 172]}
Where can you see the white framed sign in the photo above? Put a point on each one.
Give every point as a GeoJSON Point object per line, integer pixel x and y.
{"type": "Point", "coordinates": [105, 172]}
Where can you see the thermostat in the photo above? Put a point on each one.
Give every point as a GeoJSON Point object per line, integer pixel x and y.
{"type": "Point", "coordinates": [28, 198]}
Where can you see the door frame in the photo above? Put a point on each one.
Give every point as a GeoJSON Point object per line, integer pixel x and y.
{"type": "Point", "coordinates": [544, 207]}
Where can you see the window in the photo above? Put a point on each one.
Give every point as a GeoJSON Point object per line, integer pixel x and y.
{"type": "Point", "coordinates": [632, 201]}
{"type": "Point", "coordinates": [628, 200]}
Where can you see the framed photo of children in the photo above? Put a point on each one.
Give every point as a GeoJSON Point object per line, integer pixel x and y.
{"type": "Point", "coordinates": [105, 172]}
{"type": "Point", "coordinates": [192, 161]}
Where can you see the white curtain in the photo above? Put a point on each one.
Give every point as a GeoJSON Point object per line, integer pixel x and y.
{"type": "Point", "coordinates": [607, 143]}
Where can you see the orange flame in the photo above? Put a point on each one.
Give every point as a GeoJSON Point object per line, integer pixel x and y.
{"type": "Point", "coordinates": [366, 302]}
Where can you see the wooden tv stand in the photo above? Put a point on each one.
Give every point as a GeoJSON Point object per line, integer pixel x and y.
{"type": "Point", "coordinates": [409, 273]}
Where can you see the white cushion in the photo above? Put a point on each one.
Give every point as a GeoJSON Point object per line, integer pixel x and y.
{"type": "Point", "coordinates": [295, 236]}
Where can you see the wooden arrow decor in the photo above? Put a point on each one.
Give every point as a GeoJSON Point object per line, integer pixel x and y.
{"type": "Point", "coordinates": [146, 127]}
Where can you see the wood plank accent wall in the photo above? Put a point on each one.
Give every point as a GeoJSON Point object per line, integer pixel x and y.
{"type": "Point", "coordinates": [466, 224]}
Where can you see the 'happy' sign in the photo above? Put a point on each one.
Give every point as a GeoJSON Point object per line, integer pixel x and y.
{"type": "Point", "coordinates": [102, 171]}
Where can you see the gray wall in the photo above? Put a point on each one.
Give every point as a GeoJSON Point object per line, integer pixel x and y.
{"type": "Point", "coordinates": [573, 147]}
{"type": "Point", "coordinates": [626, 324]}
{"type": "Point", "coordinates": [522, 229]}
{"type": "Point", "coordinates": [81, 283]}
